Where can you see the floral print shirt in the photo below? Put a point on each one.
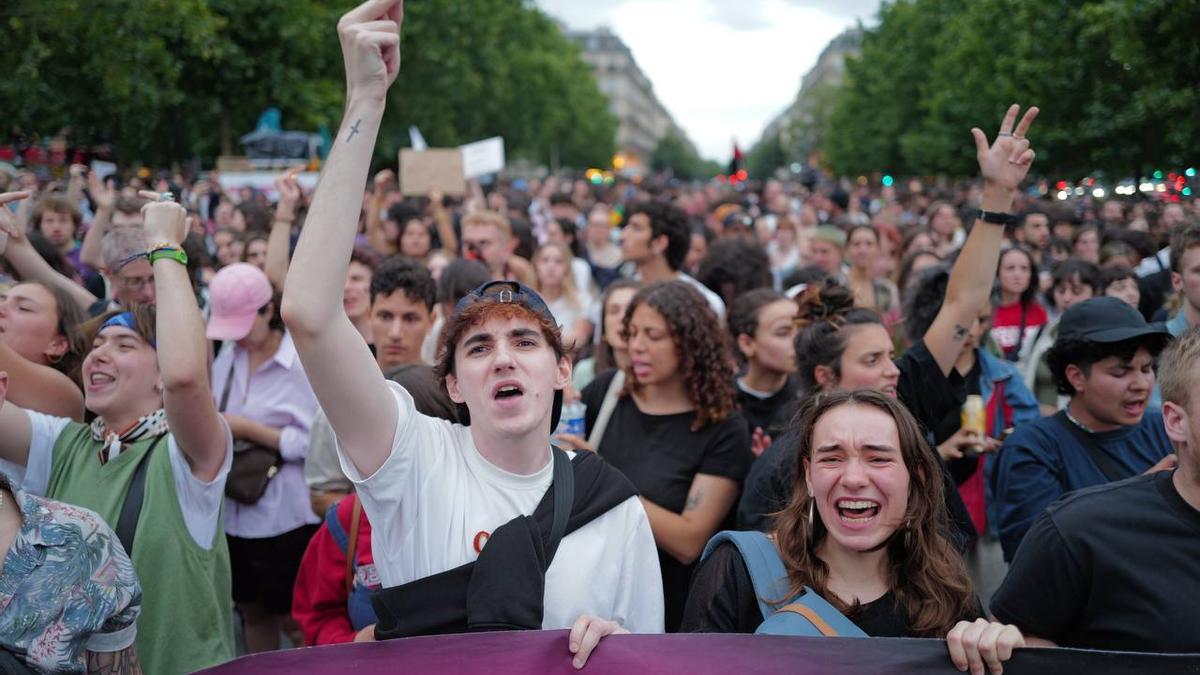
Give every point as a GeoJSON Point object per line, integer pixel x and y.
{"type": "Point", "coordinates": [67, 587]}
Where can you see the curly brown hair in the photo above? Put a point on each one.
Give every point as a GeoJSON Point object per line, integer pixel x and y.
{"type": "Point", "coordinates": [700, 340]}
{"type": "Point", "coordinates": [926, 574]}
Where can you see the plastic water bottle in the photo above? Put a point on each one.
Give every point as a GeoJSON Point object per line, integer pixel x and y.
{"type": "Point", "coordinates": [571, 420]}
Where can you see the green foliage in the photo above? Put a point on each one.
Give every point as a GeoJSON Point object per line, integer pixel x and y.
{"type": "Point", "coordinates": [674, 153]}
{"type": "Point", "coordinates": [169, 80]}
{"type": "Point", "coordinates": [1115, 79]}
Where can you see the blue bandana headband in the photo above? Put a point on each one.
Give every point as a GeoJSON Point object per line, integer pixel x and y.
{"type": "Point", "coordinates": [124, 320]}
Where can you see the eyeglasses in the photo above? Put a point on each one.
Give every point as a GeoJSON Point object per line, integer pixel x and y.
{"type": "Point", "coordinates": [136, 283]}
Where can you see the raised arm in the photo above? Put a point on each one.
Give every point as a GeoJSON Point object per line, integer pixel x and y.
{"type": "Point", "coordinates": [182, 348]}
{"type": "Point", "coordinates": [26, 260]}
{"type": "Point", "coordinates": [343, 373]}
{"type": "Point", "coordinates": [443, 222]}
{"type": "Point", "coordinates": [105, 197]}
{"type": "Point", "coordinates": [279, 243]}
{"type": "Point", "coordinates": [376, 237]}
{"type": "Point", "coordinates": [41, 388]}
{"type": "Point", "coordinates": [1003, 166]}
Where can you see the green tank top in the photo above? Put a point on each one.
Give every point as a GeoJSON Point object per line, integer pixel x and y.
{"type": "Point", "coordinates": [186, 622]}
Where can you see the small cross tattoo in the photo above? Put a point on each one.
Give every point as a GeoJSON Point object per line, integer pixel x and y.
{"type": "Point", "coordinates": [353, 130]}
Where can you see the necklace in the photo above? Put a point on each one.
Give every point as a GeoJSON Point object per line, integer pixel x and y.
{"type": "Point", "coordinates": [1076, 422]}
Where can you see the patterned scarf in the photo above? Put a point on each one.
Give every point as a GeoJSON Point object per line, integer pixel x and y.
{"type": "Point", "coordinates": [154, 424]}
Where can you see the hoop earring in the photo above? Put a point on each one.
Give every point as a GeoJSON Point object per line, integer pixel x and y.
{"type": "Point", "coordinates": [55, 360]}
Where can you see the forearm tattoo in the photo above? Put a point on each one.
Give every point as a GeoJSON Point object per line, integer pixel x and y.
{"type": "Point", "coordinates": [354, 129]}
{"type": "Point", "coordinates": [124, 662]}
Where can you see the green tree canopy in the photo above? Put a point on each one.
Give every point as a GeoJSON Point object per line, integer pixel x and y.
{"type": "Point", "coordinates": [1115, 80]}
{"type": "Point", "coordinates": [169, 80]}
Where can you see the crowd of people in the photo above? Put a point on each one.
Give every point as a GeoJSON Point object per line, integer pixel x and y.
{"type": "Point", "coordinates": [235, 419]}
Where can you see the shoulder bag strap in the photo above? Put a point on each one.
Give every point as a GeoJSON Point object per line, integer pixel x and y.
{"type": "Point", "coordinates": [228, 386]}
{"type": "Point", "coordinates": [352, 548]}
{"type": "Point", "coordinates": [606, 409]}
{"type": "Point", "coordinates": [823, 616]}
{"type": "Point", "coordinates": [564, 501]}
{"type": "Point", "coordinates": [1103, 462]}
{"type": "Point", "coordinates": [767, 572]}
{"type": "Point", "coordinates": [131, 508]}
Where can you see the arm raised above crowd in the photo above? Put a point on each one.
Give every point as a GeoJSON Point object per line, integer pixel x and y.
{"type": "Point", "coordinates": [182, 347]}
{"type": "Point", "coordinates": [279, 242]}
{"type": "Point", "coordinates": [26, 260]}
{"type": "Point", "coordinates": [1003, 165]}
{"type": "Point", "coordinates": [344, 375]}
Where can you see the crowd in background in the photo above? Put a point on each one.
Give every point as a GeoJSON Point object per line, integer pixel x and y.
{"type": "Point", "coordinates": [779, 279]}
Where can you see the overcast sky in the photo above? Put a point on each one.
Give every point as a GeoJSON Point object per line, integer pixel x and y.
{"type": "Point", "coordinates": [723, 68]}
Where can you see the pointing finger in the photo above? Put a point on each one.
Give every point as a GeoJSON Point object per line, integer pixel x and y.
{"type": "Point", "coordinates": [1010, 118]}
{"type": "Point", "coordinates": [1029, 117]}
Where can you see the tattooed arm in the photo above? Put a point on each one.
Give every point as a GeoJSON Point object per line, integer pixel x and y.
{"type": "Point", "coordinates": [684, 535]}
{"type": "Point", "coordinates": [1003, 165]}
{"type": "Point", "coordinates": [339, 365]}
{"type": "Point", "coordinates": [124, 662]}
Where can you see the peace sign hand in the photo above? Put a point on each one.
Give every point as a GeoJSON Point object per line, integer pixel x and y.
{"type": "Point", "coordinates": [1006, 163]}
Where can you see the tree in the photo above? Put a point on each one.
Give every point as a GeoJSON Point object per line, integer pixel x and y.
{"type": "Point", "coordinates": [1115, 80]}
{"type": "Point", "coordinates": [676, 154]}
{"type": "Point", "coordinates": [168, 80]}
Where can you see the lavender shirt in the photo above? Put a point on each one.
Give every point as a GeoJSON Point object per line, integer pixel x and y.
{"type": "Point", "coordinates": [277, 395]}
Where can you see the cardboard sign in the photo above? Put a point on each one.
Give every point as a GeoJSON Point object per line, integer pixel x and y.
{"type": "Point", "coordinates": [436, 168]}
{"type": "Point", "coordinates": [483, 157]}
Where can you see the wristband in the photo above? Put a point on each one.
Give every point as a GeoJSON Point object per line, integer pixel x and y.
{"type": "Point", "coordinates": [996, 218]}
{"type": "Point", "coordinates": [168, 253]}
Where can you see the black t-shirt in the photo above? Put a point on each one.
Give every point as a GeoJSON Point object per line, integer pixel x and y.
{"type": "Point", "coordinates": [723, 601]}
{"type": "Point", "coordinates": [661, 455]}
{"type": "Point", "coordinates": [1114, 567]}
{"type": "Point", "coordinates": [772, 413]}
{"type": "Point", "coordinates": [960, 469]}
{"type": "Point", "coordinates": [927, 394]}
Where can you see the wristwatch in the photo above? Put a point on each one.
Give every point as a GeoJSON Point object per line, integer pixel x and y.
{"type": "Point", "coordinates": [997, 218]}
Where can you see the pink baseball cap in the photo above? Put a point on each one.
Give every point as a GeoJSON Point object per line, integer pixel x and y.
{"type": "Point", "coordinates": [235, 295]}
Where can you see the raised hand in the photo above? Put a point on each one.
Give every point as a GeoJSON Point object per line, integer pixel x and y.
{"type": "Point", "coordinates": [165, 222]}
{"type": "Point", "coordinates": [8, 222]}
{"type": "Point", "coordinates": [103, 194]}
{"type": "Point", "coordinates": [370, 38]}
{"type": "Point", "coordinates": [1006, 162]}
{"type": "Point", "coordinates": [289, 192]}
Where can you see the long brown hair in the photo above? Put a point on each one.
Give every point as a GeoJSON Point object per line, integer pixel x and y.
{"type": "Point", "coordinates": [705, 356]}
{"type": "Point", "coordinates": [925, 573]}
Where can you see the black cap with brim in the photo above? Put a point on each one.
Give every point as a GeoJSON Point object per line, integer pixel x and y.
{"type": "Point", "coordinates": [1107, 320]}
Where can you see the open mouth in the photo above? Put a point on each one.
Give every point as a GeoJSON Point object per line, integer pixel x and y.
{"type": "Point", "coordinates": [857, 510]}
{"type": "Point", "coordinates": [1135, 407]}
{"type": "Point", "coordinates": [507, 391]}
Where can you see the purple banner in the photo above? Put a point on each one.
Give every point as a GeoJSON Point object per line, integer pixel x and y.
{"type": "Point", "coordinates": [520, 653]}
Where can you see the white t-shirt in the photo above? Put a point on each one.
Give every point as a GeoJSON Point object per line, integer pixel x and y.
{"type": "Point", "coordinates": [199, 501]}
{"type": "Point", "coordinates": [436, 498]}
{"type": "Point", "coordinates": [714, 300]}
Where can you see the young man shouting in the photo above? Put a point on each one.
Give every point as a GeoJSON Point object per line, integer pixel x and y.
{"type": "Point", "coordinates": [1103, 359]}
{"type": "Point", "coordinates": [1118, 566]}
{"type": "Point", "coordinates": [436, 493]}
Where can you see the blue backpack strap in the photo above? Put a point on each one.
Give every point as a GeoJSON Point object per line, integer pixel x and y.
{"type": "Point", "coordinates": [335, 527]}
{"type": "Point", "coordinates": [817, 616]}
{"type": "Point", "coordinates": [767, 572]}
{"type": "Point", "coordinates": [806, 614]}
